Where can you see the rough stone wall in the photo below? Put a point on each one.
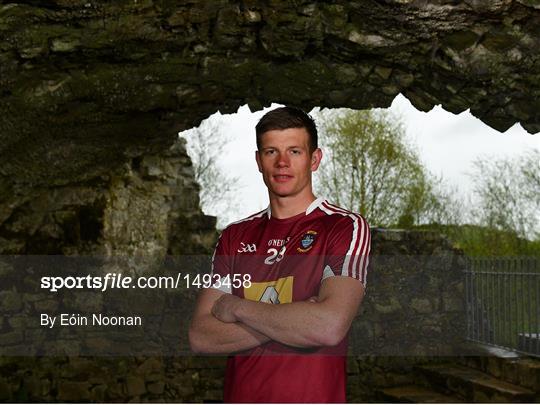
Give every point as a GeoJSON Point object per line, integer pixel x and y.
{"type": "Point", "coordinates": [149, 206]}
{"type": "Point", "coordinates": [414, 307]}
{"type": "Point", "coordinates": [413, 313]}
{"type": "Point", "coordinates": [415, 299]}
{"type": "Point", "coordinates": [80, 379]}
{"type": "Point", "coordinates": [87, 86]}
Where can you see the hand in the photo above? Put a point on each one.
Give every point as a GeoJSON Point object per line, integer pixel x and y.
{"type": "Point", "coordinates": [225, 306]}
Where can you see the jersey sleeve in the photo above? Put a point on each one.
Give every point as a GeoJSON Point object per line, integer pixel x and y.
{"type": "Point", "coordinates": [222, 261]}
{"type": "Point", "coordinates": [347, 252]}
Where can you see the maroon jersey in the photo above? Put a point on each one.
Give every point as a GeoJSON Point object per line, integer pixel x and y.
{"type": "Point", "coordinates": [286, 260]}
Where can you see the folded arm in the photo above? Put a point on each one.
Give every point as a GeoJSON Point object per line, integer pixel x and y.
{"type": "Point", "coordinates": [207, 334]}
{"type": "Point", "coordinates": [300, 324]}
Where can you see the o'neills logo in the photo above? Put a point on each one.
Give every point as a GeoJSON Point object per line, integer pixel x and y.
{"type": "Point", "coordinates": [307, 241]}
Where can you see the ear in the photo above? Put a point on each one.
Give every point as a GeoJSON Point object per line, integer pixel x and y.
{"type": "Point", "coordinates": [316, 157]}
{"type": "Point", "coordinates": [258, 160]}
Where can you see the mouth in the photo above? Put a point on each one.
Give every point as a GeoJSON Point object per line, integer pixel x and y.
{"type": "Point", "coordinates": [281, 178]}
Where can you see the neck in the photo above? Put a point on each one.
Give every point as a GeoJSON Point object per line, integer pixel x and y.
{"type": "Point", "coordinates": [289, 206]}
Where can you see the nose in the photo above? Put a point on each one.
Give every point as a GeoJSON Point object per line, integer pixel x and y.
{"type": "Point", "coordinates": [282, 160]}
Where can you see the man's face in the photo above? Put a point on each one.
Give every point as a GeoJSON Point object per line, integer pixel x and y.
{"type": "Point", "coordinates": [286, 162]}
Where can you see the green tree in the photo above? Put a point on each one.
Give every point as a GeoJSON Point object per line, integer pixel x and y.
{"type": "Point", "coordinates": [369, 167]}
{"type": "Point", "coordinates": [507, 202]}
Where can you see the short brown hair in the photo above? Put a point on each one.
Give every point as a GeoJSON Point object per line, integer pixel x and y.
{"type": "Point", "coordinates": [284, 118]}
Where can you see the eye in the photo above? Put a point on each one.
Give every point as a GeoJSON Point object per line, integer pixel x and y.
{"type": "Point", "coordinates": [269, 151]}
{"type": "Point", "coordinates": [296, 151]}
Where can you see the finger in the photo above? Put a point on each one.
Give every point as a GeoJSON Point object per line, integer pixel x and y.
{"type": "Point", "coordinates": [214, 311]}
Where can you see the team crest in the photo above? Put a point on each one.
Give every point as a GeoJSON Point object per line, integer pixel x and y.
{"type": "Point", "coordinates": [307, 241]}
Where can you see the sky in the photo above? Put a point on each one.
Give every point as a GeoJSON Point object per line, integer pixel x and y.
{"type": "Point", "coordinates": [448, 145]}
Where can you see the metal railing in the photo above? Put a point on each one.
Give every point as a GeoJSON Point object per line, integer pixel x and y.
{"type": "Point", "coordinates": [503, 302]}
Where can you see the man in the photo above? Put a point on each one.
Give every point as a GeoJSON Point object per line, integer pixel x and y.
{"type": "Point", "coordinates": [306, 261]}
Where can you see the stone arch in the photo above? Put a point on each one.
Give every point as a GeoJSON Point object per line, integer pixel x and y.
{"type": "Point", "coordinates": [88, 88]}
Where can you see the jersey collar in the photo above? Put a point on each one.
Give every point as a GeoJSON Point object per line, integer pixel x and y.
{"type": "Point", "coordinates": [315, 204]}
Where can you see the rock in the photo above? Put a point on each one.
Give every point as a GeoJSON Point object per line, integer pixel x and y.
{"type": "Point", "coordinates": [150, 366]}
{"type": "Point", "coordinates": [115, 391]}
{"type": "Point", "coordinates": [73, 391]}
{"type": "Point", "coordinates": [352, 365]}
{"type": "Point", "coordinates": [383, 72]}
{"type": "Point", "coordinates": [368, 40]}
{"type": "Point", "coordinates": [65, 44]}
{"type": "Point", "coordinates": [135, 386]}
{"type": "Point", "coordinates": [46, 306]}
{"type": "Point", "coordinates": [453, 303]}
{"type": "Point", "coordinates": [10, 338]}
{"type": "Point", "coordinates": [392, 305]}
{"type": "Point", "coordinates": [32, 385]}
{"type": "Point", "coordinates": [5, 390]}
{"type": "Point", "coordinates": [154, 377]}
{"type": "Point", "coordinates": [17, 322]}
{"type": "Point", "coordinates": [98, 393]}
{"type": "Point", "coordinates": [10, 301]}
{"type": "Point", "coordinates": [213, 396]}
{"type": "Point", "coordinates": [391, 235]}
{"type": "Point", "coordinates": [156, 388]}
{"type": "Point", "coordinates": [422, 305]}
{"type": "Point", "coordinates": [170, 325]}
{"type": "Point", "coordinates": [6, 268]}
{"type": "Point", "coordinates": [252, 16]}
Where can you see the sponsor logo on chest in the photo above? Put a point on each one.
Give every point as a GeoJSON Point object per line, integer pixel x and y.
{"type": "Point", "coordinates": [278, 242]}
